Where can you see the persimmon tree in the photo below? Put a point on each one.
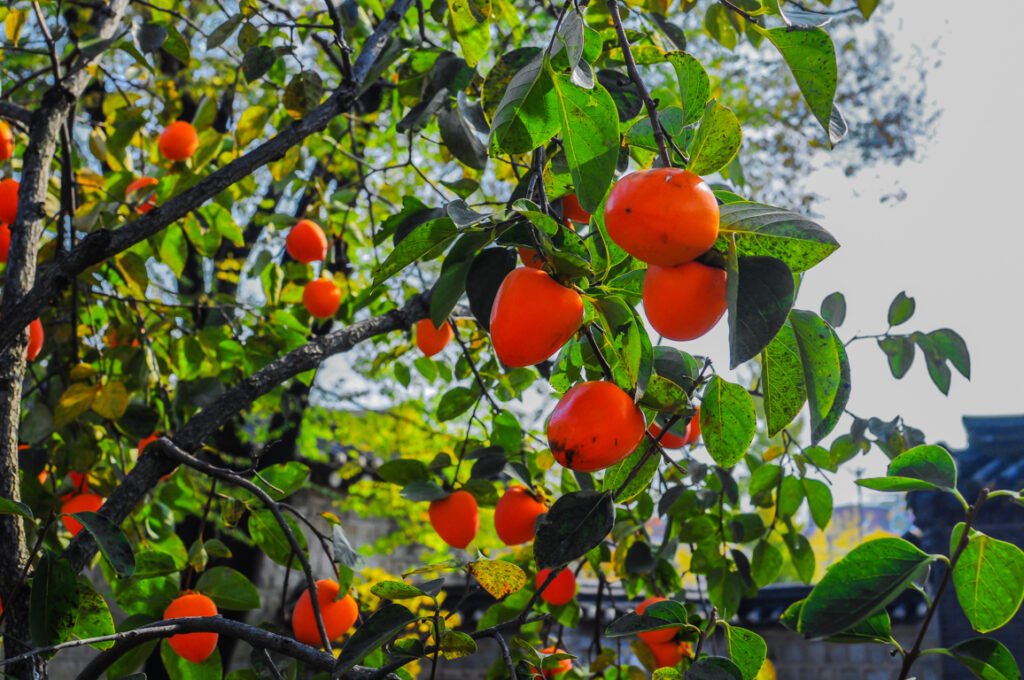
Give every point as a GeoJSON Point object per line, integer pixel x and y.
{"type": "Point", "coordinates": [203, 204]}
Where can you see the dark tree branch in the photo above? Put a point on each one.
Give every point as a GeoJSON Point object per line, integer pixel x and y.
{"type": "Point", "coordinates": [15, 114]}
{"type": "Point", "coordinates": [150, 468]}
{"type": "Point", "coordinates": [102, 245]}
{"type": "Point", "coordinates": [169, 450]}
{"type": "Point", "coordinates": [634, 75]}
{"type": "Point", "coordinates": [257, 637]}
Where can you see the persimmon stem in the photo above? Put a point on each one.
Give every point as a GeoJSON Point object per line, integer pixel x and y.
{"type": "Point", "coordinates": [634, 75]}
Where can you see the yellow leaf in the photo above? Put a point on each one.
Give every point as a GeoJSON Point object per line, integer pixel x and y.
{"type": "Point", "coordinates": [82, 372]}
{"type": "Point", "coordinates": [112, 400]}
{"type": "Point", "coordinates": [75, 401]}
{"type": "Point", "coordinates": [14, 22]}
{"type": "Point", "coordinates": [773, 452]}
{"type": "Point", "coordinates": [497, 577]}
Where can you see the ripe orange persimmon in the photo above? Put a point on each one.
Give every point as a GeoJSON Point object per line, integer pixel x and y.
{"type": "Point", "coordinates": [456, 519]}
{"type": "Point", "coordinates": [35, 340]}
{"type": "Point", "coordinates": [322, 297]}
{"type": "Point", "coordinates": [178, 141]}
{"type": "Point", "coordinates": [561, 590]}
{"type": "Point", "coordinates": [9, 200]}
{"type": "Point", "coordinates": [684, 302]}
{"type": "Point", "coordinates": [194, 647]}
{"type": "Point", "coordinates": [431, 339]}
{"type": "Point", "coordinates": [306, 242]}
{"type": "Point", "coordinates": [140, 185]}
{"type": "Point", "coordinates": [532, 317]}
{"type": "Point", "coordinates": [572, 210]}
{"type": "Point", "coordinates": [515, 516]}
{"type": "Point", "coordinates": [338, 615]}
{"type": "Point", "coordinates": [5, 241]}
{"type": "Point", "coordinates": [564, 666]}
{"type": "Point", "coordinates": [664, 216]}
{"type": "Point", "coordinates": [594, 426]}
{"type": "Point", "coordinates": [6, 141]}
{"type": "Point", "coordinates": [80, 502]}
{"type": "Point", "coordinates": [669, 440]}
{"type": "Point", "coordinates": [654, 637]}
{"type": "Point", "coordinates": [668, 654]}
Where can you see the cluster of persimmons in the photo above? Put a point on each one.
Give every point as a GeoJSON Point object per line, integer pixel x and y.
{"type": "Point", "coordinates": [665, 217]}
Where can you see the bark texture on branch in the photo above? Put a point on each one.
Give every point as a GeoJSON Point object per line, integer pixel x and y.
{"type": "Point", "coordinates": [150, 468]}
{"type": "Point", "coordinates": [45, 127]}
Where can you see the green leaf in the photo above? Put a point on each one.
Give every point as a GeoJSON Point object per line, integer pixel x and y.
{"type": "Point", "coordinates": [766, 564]}
{"type": "Point", "coordinates": [819, 500]}
{"type": "Point", "coordinates": [833, 309]}
{"type": "Point", "coordinates": [928, 463]}
{"type": "Point", "coordinates": [219, 35]}
{"type": "Point", "coordinates": [901, 309]}
{"type": "Point", "coordinates": [747, 650]}
{"type": "Point", "coordinates": [760, 295]}
{"type": "Point", "coordinates": [384, 624]}
{"type": "Point", "coordinates": [179, 668]}
{"type": "Point", "coordinates": [899, 350]}
{"type": "Point", "coordinates": [575, 524]}
{"type": "Point", "coordinates": [714, 667]}
{"type": "Point", "coordinates": [782, 376]}
{"type": "Point", "coordinates": [422, 240]}
{"type": "Point", "coordinates": [801, 554]}
{"type": "Point", "coordinates": [791, 496]}
{"type": "Point", "coordinates": [948, 344]}
{"type": "Point", "coordinates": [867, 7]}
{"type": "Point", "coordinates": [498, 577]}
{"type": "Point", "coordinates": [717, 140]}
{"type": "Point", "coordinates": [229, 589]}
{"type": "Point", "coordinates": [617, 474]}
{"type": "Point", "coordinates": [987, 659]}
{"type": "Point", "coordinates": [9, 507]}
{"type": "Point", "coordinates": [527, 115]}
{"type": "Point", "coordinates": [257, 61]}
{"type": "Point", "coordinates": [401, 471]}
{"type": "Point", "coordinates": [826, 371]}
{"type": "Point", "coordinates": [989, 579]}
{"type": "Point", "coordinates": [765, 230]}
{"type": "Point", "coordinates": [455, 644]}
{"type": "Point", "coordinates": [470, 27]}
{"type": "Point", "coordinates": [53, 605]}
{"type": "Point", "coordinates": [456, 401]}
{"type": "Point", "coordinates": [694, 85]}
{"type": "Point", "coordinates": [283, 479]}
{"type": "Point", "coordinates": [488, 270]}
{"type": "Point", "coordinates": [869, 577]}
{"type": "Point", "coordinates": [590, 138]}
{"type": "Point", "coordinates": [251, 124]}
{"type": "Point", "coordinates": [900, 484]}
{"type": "Point", "coordinates": [93, 618]}
{"type": "Point", "coordinates": [423, 491]}
{"type": "Point", "coordinates": [811, 57]}
{"type": "Point", "coordinates": [112, 542]}
{"type": "Point", "coordinates": [270, 538]}
{"type": "Point", "coordinates": [727, 421]}
{"type": "Point", "coordinates": [396, 590]}
{"type": "Point", "coordinates": [658, 616]}
{"type": "Point", "coordinates": [303, 93]}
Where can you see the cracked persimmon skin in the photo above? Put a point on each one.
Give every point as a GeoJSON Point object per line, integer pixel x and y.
{"type": "Point", "coordinates": [594, 426]}
{"type": "Point", "coordinates": [686, 301]}
{"type": "Point", "coordinates": [456, 519]}
{"type": "Point", "coordinates": [533, 317]}
{"type": "Point", "coordinates": [664, 216]}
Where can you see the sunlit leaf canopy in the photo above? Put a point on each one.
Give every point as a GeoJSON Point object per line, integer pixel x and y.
{"type": "Point", "coordinates": [434, 145]}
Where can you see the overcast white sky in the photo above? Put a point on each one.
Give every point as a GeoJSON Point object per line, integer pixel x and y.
{"type": "Point", "coordinates": [954, 244]}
